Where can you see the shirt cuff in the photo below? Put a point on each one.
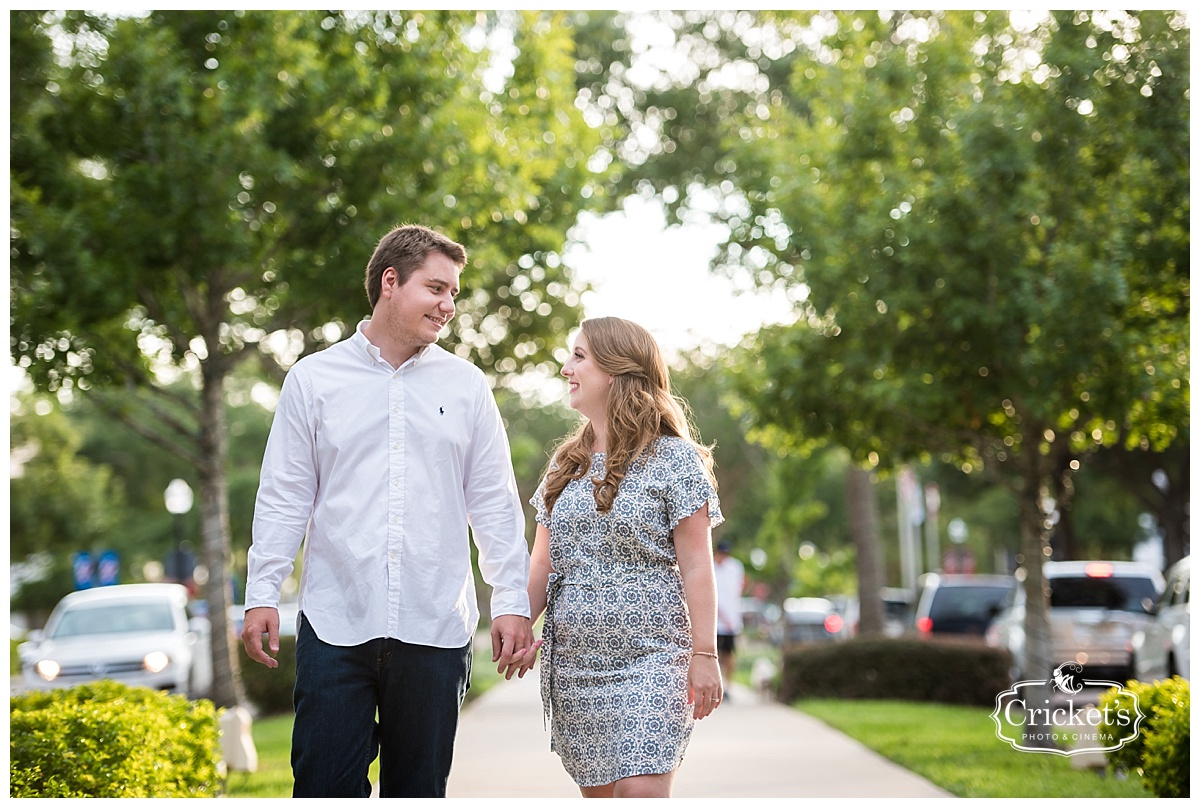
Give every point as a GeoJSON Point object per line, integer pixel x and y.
{"type": "Point", "coordinates": [510, 602]}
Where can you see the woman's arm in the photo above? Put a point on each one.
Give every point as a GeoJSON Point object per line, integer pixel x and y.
{"type": "Point", "coordinates": [539, 575]}
{"type": "Point", "coordinates": [539, 572]}
{"type": "Point", "coordinates": [693, 549]}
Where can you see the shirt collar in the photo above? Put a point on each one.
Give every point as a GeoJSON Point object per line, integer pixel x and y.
{"type": "Point", "coordinates": [375, 355]}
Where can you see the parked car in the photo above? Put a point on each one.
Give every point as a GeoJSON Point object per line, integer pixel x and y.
{"type": "Point", "coordinates": [962, 605]}
{"type": "Point", "coordinates": [808, 620]}
{"type": "Point", "coordinates": [897, 611]}
{"type": "Point", "coordinates": [1162, 648]}
{"type": "Point", "coordinates": [1096, 607]}
{"type": "Point", "coordinates": [139, 634]}
{"type": "Point", "coordinates": [758, 616]}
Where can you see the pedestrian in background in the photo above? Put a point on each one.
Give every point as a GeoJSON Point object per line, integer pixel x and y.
{"type": "Point", "coordinates": [383, 450]}
{"type": "Point", "coordinates": [730, 577]}
{"type": "Point", "coordinates": [622, 565]}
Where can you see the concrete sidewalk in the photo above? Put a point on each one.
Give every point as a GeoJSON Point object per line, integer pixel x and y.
{"type": "Point", "coordinates": [747, 748]}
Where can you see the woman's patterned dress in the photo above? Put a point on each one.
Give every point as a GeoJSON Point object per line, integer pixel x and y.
{"type": "Point", "coordinates": [617, 639]}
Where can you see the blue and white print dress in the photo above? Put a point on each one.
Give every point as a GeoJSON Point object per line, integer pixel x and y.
{"type": "Point", "coordinates": [617, 638]}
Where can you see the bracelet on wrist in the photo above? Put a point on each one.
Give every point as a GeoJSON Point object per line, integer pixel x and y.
{"type": "Point", "coordinates": [704, 653]}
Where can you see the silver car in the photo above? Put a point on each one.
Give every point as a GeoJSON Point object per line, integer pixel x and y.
{"type": "Point", "coordinates": [1096, 607]}
{"type": "Point", "coordinates": [1163, 648]}
{"type": "Point", "coordinates": [808, 620]}
{"type": "Point", "coordinates": [139, 634]}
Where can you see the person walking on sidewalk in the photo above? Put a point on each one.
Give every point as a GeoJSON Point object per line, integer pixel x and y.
{"type": "Point", "coordinates": [730, 576]}
{"type": "Point", "coordinates": [622, 566]}
{"type": "Point", "coordinates": [383, 450]}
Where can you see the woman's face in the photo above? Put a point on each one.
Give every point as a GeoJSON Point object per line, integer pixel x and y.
{"type": "Point", "coordinates": [587, 384]}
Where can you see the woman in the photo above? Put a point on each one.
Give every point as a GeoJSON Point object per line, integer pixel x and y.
{"type": "Point", "coordinates": [622, 566]}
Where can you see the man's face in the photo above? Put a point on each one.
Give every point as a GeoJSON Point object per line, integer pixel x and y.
{"type": "Point", "coordinates": [417, 311]}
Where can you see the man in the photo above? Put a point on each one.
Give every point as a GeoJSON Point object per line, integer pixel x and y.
{"type": "Point", "coordinates": [730, 576]}
{"type": "Point", "coordinates": [383, 449]}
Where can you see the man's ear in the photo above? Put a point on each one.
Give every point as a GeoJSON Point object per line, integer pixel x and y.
{"type": "Point", "coordinates": [387, 282]}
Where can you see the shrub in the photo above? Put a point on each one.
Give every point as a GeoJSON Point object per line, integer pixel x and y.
{"type": "Point", "coordinates": [270, 689]}
{"type": "Point", "coordinates": [111, 740]}
{"type": "Point", "coordinates": [944, 671]}
{"type": "Point", "coordinates": [1161, 751]}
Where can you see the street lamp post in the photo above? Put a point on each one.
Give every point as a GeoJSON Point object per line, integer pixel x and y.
{"type": "Point", "coordinates": [178, 498]}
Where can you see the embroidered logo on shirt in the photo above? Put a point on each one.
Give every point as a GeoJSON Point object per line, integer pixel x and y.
{"type": "Point", "coordinates": [441, 411]}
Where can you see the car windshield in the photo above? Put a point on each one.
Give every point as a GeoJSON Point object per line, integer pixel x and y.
{"type": "Point", "coordinates": [1117, 593]}
{"type": "Point", "coordinates": [115, 618]}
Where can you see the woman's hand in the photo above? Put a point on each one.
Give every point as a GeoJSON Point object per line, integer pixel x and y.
{"type": "Point", "coordinates": [704, 685]}
{"type": "Point", "coordinates": [522, 662]}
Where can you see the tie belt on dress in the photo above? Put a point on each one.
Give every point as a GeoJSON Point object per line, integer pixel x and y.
{"type": "Point", "coordinates": [554, 585]}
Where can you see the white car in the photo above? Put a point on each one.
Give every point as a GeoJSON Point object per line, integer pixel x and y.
{"type": "Point", "coordinates": [138, 634]}
{"type": "Point", "coordinates": [1096, 607]}
{"type": "Point", "coordinates": [808, 620]}
{"type": "Point", "coordinates": [1163, 648]}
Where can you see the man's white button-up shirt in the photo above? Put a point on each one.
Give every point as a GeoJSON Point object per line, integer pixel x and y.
{"type": "Point", "coordinates": [380, 471]}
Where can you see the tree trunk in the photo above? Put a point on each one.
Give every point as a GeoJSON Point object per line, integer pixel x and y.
{"type": "Point", "coordinates": [1036, 664]}
{"type": "Point", "coordinates": [1173, 513]}
{"type": "Point", "coordinates": [864, 531]}
{"type": "Point", "coordinates": [227, 690]}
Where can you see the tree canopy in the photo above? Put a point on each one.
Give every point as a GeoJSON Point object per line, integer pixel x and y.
{"type": "Point", "coordinates": [983, 217]}
{"type": "Point", "coordinates": [194, 189]}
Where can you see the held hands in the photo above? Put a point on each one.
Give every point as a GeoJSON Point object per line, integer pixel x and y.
{"type": "Point", "coordinates": [704, 685]}
{"type": "Point", "coordinates": [513, 648]}
{"type": "Point", "coordinates": [522, 662]}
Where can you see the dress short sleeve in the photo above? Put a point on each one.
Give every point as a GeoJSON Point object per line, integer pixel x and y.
{"type": "Point", "coordinates": [688, 486]}
{"type": "Point", "coordinates": [538, 501]}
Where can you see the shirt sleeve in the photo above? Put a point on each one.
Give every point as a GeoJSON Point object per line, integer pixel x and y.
{"type": "Point", "coordinates": [287, 492]}
{"type": "Point", "coordinates": [494, 510]}
{"type": "Point", "coordinates": [689, 486]}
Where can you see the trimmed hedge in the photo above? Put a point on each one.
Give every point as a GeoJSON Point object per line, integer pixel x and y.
{"type": "Point", "coordinates": [270, 689]}
{"type": "Point", "coordinates": [111, 740]}
{"type": "Point", "coordinates": [1161, 752]}
{"type": "Point", "coordinates": [944, 671]}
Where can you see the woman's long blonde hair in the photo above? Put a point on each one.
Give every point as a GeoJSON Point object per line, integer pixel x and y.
{"type": "Point", "coordinates": [641, 407]}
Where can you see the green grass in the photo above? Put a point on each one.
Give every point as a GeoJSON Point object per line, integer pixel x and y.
{"type": "Point", "coordinates": [273, 742]}
{"type": "Point", "coordinates": [956, 748]}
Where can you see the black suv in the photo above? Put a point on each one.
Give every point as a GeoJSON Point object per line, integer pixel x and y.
{"type": "Point", "coordinates": [961, 604]}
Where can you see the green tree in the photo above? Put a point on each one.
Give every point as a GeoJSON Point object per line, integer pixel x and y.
{"type": "Point", "coordinates": [192, 190]}
{"type": "Point", "coordinates": [983, 217]}
{"type": "Point", "coordinates": [60, 503]}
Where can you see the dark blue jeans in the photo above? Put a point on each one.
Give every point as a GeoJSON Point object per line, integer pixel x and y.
{"type": "Point", "coordinates": [415, 692]}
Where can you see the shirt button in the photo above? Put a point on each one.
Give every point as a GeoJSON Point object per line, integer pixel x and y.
{"type": "Point", "coordinates": [396, 445]}
{"type": "Point", "coordinates": [395, 520]}
{"type": "Point", "coordinates": [396, 483]}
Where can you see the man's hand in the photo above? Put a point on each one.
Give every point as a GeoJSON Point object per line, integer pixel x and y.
{"type": "Point", "coordinates": [257, 622]}
{"type": "Point", "coordinates": [512, 637]}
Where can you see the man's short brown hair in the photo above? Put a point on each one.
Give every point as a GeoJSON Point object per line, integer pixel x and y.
{"type": "Point", "coordinates": [404, 250]}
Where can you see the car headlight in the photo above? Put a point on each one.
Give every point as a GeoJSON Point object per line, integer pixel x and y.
{"type": "Point", "coordinates": [156, 661]}
{"type": "Point", "coordinates": [48, 669]}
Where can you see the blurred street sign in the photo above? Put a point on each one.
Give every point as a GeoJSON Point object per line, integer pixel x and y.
{"type": "Point", "coordinates": [84, 569]}
{"type": "Point", "coordinates": [108, 568]}
{"type": "Point", "coordinates": [958, 561]}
